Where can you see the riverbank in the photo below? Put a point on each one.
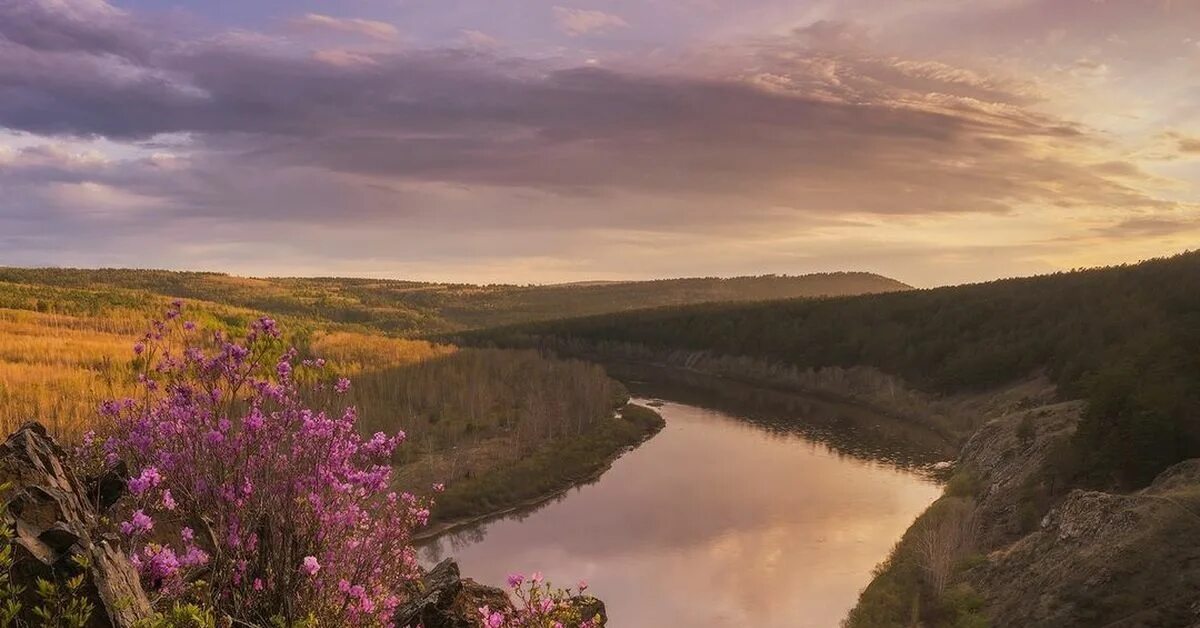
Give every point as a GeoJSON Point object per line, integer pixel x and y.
{"type": "Point", "coordinates": [552, 470]}
{"type": "Point", "coordinates": [1009, 544]}
{"type": "Point", "coordinates": [950, 418]}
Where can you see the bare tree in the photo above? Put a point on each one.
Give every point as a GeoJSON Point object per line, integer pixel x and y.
{"type": "Point", "coordinates": [942, 543]}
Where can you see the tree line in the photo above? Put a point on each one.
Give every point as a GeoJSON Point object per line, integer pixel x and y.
{"type": "Point", "coordinates": [1124, 338]}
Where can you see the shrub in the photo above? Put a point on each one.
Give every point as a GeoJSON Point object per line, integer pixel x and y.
{"type": "Point", "coordinates": [539, 605]}
{"type": "Point", "coordinates": [286, 509]}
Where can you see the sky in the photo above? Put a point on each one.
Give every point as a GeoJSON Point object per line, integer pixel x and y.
{"type": "Point", "coordinates": [933, 141]}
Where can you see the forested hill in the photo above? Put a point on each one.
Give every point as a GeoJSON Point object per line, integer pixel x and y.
{"type": "Point", "coordinates": [408, 307]}
{"type": "Point", "coordinates": [1125, 338]}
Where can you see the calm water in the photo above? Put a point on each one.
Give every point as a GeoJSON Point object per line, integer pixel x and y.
{"type": "Point", "coordinates": [715, 521]}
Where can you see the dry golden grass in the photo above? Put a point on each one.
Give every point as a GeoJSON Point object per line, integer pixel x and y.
{"type": "Point", "coordinates": [56, 368]}
{"type": "Point", "coordinates": [353, 353]}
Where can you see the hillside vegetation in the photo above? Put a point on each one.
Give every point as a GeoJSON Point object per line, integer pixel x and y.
{"type": "Point", "coordinates": [408, 307]}
{"type": "Point", "coordinates": [469, 413]}
{"type": "Point", "coordinates": [1123, 338]}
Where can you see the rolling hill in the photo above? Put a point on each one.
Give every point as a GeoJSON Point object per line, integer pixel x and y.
{"type": "Point", "coordinates": [409, 307]}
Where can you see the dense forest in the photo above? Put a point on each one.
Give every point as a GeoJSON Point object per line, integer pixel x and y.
{"type": "Point", "coordinates": [1125, 338]}
{"type": "Point", "coordinates": [405, 307]}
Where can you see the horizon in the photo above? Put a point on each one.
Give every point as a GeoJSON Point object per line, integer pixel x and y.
{"type": "Point", "coordinates": [933, 142]}
{"type": "Point", "coordinates": [908, 285]}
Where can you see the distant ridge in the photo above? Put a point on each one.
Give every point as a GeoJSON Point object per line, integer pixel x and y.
{"type": "Point", "coordinates": [414, 307]}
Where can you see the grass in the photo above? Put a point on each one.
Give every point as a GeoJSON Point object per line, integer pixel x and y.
{"type": "Point", "coordinates": [56, 369]}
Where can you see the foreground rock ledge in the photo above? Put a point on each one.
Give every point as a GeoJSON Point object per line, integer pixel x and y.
{"type": "Point", "coordinates": [444, 599]}
{"type": "Point", "coordinates": [53, 523]}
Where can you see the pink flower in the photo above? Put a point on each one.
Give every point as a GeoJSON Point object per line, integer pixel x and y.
{"type": "Point", "coordinates": [148, 479]}
{"type": "Point", "coordinates": [310, 566]}
{"type": "Point", "coordinates": [139, 523]}
{"type": "Point", "coordinates": [583, 585]}
{"type": "Point", "coordinates": [249, 454]}
{"type": "Point", "coordinates": [491, 619]}
{"type": "Point", "coordinates": [342, 385]}
{"type": "Point", "coordinates": [515, 580]}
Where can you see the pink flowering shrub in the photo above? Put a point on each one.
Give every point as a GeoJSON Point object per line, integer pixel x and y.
{"type": "Point", "coordinates": [537, 605]}
{"type": "Point", "coordinates": [285, 512]}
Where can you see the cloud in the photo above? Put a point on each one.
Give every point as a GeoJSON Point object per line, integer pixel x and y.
{"type": "Point", "coordinates": [90, 26]}
{"type": "Point", "coordinates": [575, 22]}
{"type": "Point", "coordinates": [343, 58]}
{"type": "Point", "coordinates": [1149, 226]}
{"type": "Point", "coordinates": [831, 35]}
{"type": "Point", "coordinates": [473, 151]}
{"type": "Point", "coordinates": [931, 138]}
{"type": "Point", "coordinates": [479, 39]}
{"type": "Point", "coordinates": [354, 26]}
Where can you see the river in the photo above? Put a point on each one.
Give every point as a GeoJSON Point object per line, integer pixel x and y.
{"type": "Point", "coordinates": [721, 519]}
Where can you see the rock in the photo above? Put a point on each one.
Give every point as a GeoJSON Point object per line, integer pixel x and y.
{"type": "Point", "coordinates": [444, 599]}
{"type": "Point", "coordinates": [1103, 559]}
{"type": "Point", "coordinates": [106, 489]}
{"type": "Point", "coordinates": [589, 607]}
{"type": "Point", "coordinates": [54, 523]}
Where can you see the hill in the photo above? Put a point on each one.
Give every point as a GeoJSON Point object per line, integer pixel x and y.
{"type": "Point", "coordinates": [1124, 338]}
{"type": "Point", "coordinates": [409, 307]}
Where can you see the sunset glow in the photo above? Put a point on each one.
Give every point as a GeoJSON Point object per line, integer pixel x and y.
{"type": "Point", "coordinates": [934, 141]}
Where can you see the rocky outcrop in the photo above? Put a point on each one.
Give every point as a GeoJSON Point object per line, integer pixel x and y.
{"type": "Point", "coordinates": [53, 527]}
{"type": "Point", "coordinates": [1006, 458]}
{"type": "Point", "coordinates": [1104, 559]}
{"type": "Point", "coordinates": [1039, 556]}
{"type": "Point", "coordinates": [444, 599]}
{"type": "Point", "coordinates": [1093, 558]}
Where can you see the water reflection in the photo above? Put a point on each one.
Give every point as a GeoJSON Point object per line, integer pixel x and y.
{"type": "Point", "coordinates": [715, 521]}
{"type": "Point", "coordinates": [850, 429]}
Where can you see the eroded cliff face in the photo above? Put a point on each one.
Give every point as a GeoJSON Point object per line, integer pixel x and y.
{"type": "Point", "coordinates": [1100, 559]}
{"type": "Point", "coordinates": [1032, 554]}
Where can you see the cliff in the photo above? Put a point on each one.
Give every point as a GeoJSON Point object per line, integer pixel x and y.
{"type": "Point", "coordinates": [1006, 546]}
